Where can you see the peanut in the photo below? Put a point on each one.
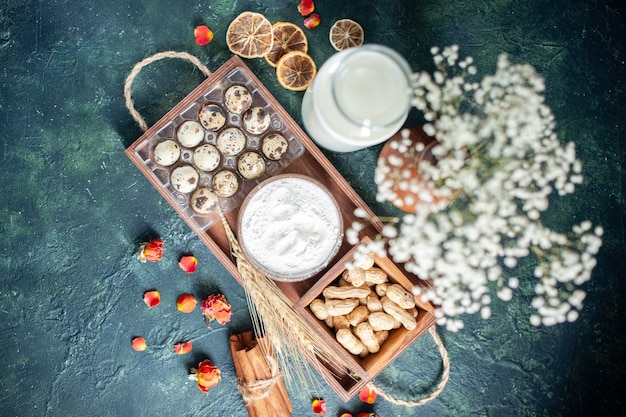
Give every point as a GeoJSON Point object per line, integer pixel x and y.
{"type": "Point", "coordinates": [365, 261]}
{"type": "Point", "coordinates": [381, 289]}
{"type": "Point", "coordinates": [400, 296]}
{"type": "Point", "coordinates": [345, 292]}
{"type": "Point", "coordinates": [381, 321]}
{"type": "Point", "coordinates": [349, 341]}
{"type": "Point", "coordinates": [400, 314]}
{"type": "Point", "coordinates": [373, 303]}
{"type": "Point", "coordinates": [375, 276]}
{"type": "Point", "coordinates": [381, 336]}
{"type": "Point", "coordinates": [318, 307]}
{"type": "Point", "coordinates": [341, 307]}
{"type": "Point", "coordinates": [355, 276]}
{"type": "Point", "coordinates": [358, 315]}
{"type": "Point", "coordinates": [365, 332]}
{"type": "Point", "coordinates": [341, 322]}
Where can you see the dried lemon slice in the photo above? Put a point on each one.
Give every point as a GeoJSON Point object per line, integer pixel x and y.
{"type": "Point", "coordinates": [346, 33]}
{"type": "Point", "coordinates": [287, 37]}
{"type": "Point", "coordinates": [250, 35]}
{"type": "Point", "coordinates": [296, 70]}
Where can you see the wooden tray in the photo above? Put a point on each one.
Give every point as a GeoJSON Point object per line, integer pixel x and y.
{"type": "Point", "coordinates": [305, 159]}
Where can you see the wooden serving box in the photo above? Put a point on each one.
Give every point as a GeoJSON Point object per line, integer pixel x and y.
{"type": "Point", "coordinates": [304, 158]}
{"type": "Point", "coordinates": [365, 369]}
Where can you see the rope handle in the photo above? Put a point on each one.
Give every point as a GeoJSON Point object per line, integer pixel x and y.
{"type": "Point", "coordinates": [445, 375]}
{"type": "Point", "coordinates": [130, 105]}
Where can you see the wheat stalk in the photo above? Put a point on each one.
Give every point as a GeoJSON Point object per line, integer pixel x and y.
{"type": "Point", "coordinates": [273, 317]}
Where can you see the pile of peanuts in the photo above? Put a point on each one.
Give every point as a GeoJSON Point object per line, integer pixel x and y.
{"type": "Point", "coordinates": [364, 307]}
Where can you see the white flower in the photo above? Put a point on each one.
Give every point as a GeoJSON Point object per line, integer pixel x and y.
{"type": "Point", "coordinates": [499, 162]}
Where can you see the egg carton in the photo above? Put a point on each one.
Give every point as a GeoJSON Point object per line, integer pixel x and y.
{"type": "Point", "coordinates": [168, 130]}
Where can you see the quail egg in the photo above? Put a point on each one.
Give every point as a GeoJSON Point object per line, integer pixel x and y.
{"type": "Point", "coordinates": [190, 133]}
{"type": "Point", "coordinates": [166, 153]}
{"type": "Point", "coordinates": [274, 146]}
{"type": "Point", "coordinates": [237, 99]}
{"type": "Point", "coordinates": [225, 183]}
{"type": "Point", "coordinates": [206, 157]}
{"type": "Point", "coordinates": [231, 141]}
{"type": "Point", "coordinates": [203, 201]}
{"type": "Point", "coordinates": [212, 117]}
{"type": "Point", "coordinates": [184, 179]}
{"type": "Point", "coordinates": [251, 165]}
{"type": "Point", "coordinates": [256, 120]}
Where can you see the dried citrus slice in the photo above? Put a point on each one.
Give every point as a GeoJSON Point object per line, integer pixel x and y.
{"type": "Point", "coordinates": [296, 70]}
{"type": "Point", "coordinates": [346, 33]}
{"type": "Point", "coordinates": [250, 35]}
{"type": "Point", "coordinates": [287, 37]}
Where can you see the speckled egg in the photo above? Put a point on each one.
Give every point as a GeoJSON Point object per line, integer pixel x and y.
{"type": "Point", "coordinates": [212, 117]}
{"type": "Point", "coordinates": [251, 165]}
{"type": "Point", "coordinates": [190, 133]}
{"type": "Point", "coordinates": [231, 141]}
{"type": "Point", "coordinates": [225, 183]}
{"type": "Point", "coordinates": [274, 146]}
{"type": "Point", "coordinates": [166, 153]}
{"type": "Point", "coordinates": [256, 120]}
{"type": "Point", "coordinates": [184, 179]}
{"type": "Point", "coordinates": [206, 157]}
{"type": "Point", "coordinates": [237, 99]}
{"type": "Point", "coordinates": [203, 201]}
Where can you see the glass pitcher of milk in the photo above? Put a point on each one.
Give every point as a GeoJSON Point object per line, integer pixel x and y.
{"type": "Point", "coordinates": [360, 97]}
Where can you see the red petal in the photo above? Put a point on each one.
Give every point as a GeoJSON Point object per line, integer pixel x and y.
{"type": "Point", "coordinates": [203, 35]}
{"type": "Point", "coordinates": [319, 406]}
{"type": "Point", "coordinates": [186, 303]}
{"type": "Point", "coordinates": [152, 298]}
{"type": "Point", "coordinates": [139, 344]}
{"type": "Point", "coordinates": [312, 21]}
{"type": "Point", "coordinates": [182, 348]}
{"type": "Point", "coordinates": [306, 7]}
{"type": "Point", "coordinates": [346, 415]}
{"type": "Point", "coordinates": [188, 264]}
{"type": "Point", "coordinates": [367, 395]}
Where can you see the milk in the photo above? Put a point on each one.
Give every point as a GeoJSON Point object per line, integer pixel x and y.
{"type": "Point", "coordinates": [359, 98]}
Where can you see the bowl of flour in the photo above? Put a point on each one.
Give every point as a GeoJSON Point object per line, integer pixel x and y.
{"type": "Point", "coordinates": [290, 227]}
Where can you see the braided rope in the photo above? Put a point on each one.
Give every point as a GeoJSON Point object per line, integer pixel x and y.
{"type": "Point", "coordinates": [442, 383]}
{"type": "Point", "coordinates": [130, 105]}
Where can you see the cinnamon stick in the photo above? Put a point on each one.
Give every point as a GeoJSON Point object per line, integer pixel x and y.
{"type": "Point", "coordinates": [261, 369]}
{"type": "Point", "coordinates": [279, 383]}
{"type": "Point", "coordinates": [236, 345]}
{"type": "Point", "coordinates": [261, 406]}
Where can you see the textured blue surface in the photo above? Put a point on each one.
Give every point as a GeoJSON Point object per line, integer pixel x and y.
{"type": "Point", "coordinates": [73, 208]}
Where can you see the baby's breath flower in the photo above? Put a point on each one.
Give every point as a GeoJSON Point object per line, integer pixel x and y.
{"type": "Point", "coordinates": [499, 161]}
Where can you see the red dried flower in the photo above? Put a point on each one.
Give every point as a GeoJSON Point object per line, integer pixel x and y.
{"type": "Point", "coordinates": [207, 375]}
{"type": "Point", "coordinates": [150, 251]}
{"type": "Point", "coordinates": [215, 307]}
{"type": "Point", "coordinates": [312, 21]}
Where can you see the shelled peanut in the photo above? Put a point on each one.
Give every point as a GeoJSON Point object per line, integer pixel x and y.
{"type": "Point", "coordinates": [363, 307]}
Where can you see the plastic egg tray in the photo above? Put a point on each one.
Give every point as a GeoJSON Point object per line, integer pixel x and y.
{"type": "Point", "coordinates": [167, 128]}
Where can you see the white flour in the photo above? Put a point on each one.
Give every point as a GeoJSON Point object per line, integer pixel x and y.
{"type": "Point", "coordinates": [291, 227]}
